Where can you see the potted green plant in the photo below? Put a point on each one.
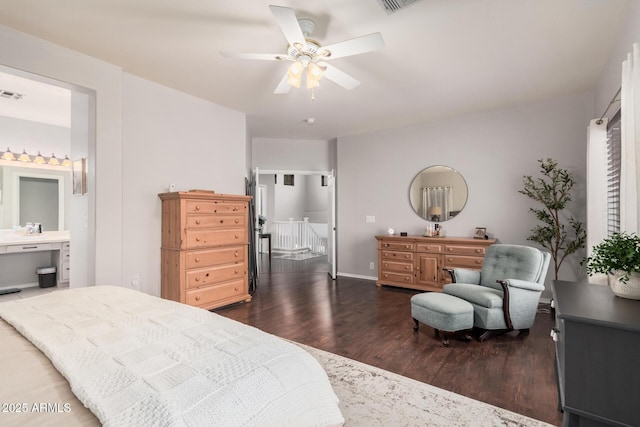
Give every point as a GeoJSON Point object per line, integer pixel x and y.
{"type": "Point", "coordinates": [618, 256]}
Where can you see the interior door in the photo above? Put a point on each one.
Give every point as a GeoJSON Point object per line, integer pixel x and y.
{"type": "Point", "coordinates": [331, 226]}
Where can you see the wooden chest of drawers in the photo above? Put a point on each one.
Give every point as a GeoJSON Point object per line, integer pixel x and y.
{"type": "Point", "coordinates": [205, 248]}
{"type": "Point", "coordinates": [416, 262]}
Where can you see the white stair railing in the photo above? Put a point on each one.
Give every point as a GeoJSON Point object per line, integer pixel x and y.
{"type": "Point", "coordinates": [293, 236]}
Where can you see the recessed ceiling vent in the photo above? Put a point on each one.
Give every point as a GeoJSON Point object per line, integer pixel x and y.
{"type": "Point", "coordinates": [392, 6]}
{"type": "Point", "coordinates": [10, 94]}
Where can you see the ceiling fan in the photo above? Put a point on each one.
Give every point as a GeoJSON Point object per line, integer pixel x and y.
{"type": "Point", "coordinates": [309, 55]}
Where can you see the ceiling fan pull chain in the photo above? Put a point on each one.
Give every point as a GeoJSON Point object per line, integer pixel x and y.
{"type": "Point", "coordinates": [313, 94]}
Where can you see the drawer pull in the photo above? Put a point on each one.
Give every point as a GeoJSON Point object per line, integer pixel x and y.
{"type": "Point", "coordinates": [386, 245]}
{"type": "Point", "coordinates": [478, 261]}
{"type": "Point", "coordinates": [407, 256]}
{"type": "Point", "coordinates": [386, 265]}
{"type": "Point", "coordinates": [478, 251]}
{"type": "Point", "coordinates": [197, 297]}
{"type": "Point", "coordinates": [197, 207]}
{"type": "Point", "coordinates": [197, 222]}
{"type": "Point", "coordinates": [236, 254]}
{"type": "Point", "coordinates": [235, 208]}
{"type": "Point", "coordinates": [406, 267]}
{"type": "Point", "coordinates": [237, 236]}
{"type": "Point", "coordinates": [236, 271]}
{"type": "Point", "coordinates": [222, 221]}
{"type": "Point", "coordinates": [236, 288]}
{"type": "Point", "coordinates": [407, 246]}
{"type": "Point", "coordinates": [407, 279]}
{"type": "Point", "coordinates": [386, 275]}
{"type": "Point", "coordinates": [197, 239]}
{"type": "Point", "coordinates": [206, 275]}
{"type": "Point", "coordinates": [197, 279]}
{"type": "Point", "coordinates": [237, 220]}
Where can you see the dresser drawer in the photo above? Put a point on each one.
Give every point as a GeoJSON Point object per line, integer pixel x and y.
{"type": "Point", "coordinates": [215, 221]}
{"type": "Point", "coordinates": [211, 257]}
{"type": "Point", "coordinates": [203, 238]}
{"type": "Point", "coordinates": [404, 256]}
{"type": "Point", "coordinates": [392, 266]}
{"type": "Point", "coordinates": [213, 294]}
{"type": "Point", "coordinates": [212, 207]}
{"type": "Point", "coordinates": [398, 246]}
{"type": "Point", "coordinates": [387, 276]}
{"type": "Point", "coordinates": [429, 247]}
{"type": "Point", "coordinates": [208, 276]}
{"type": "Point", "coordinates": [463, 261]}
{"type": "Point", "coordinates": [464, 250]}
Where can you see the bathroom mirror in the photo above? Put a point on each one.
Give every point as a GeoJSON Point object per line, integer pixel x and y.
{"type": "Point", "coordinates": [438, 193]}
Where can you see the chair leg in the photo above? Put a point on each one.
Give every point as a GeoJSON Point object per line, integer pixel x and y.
{"type": "Point", "coordinates": [416, 325]}
{"type": "Point", "coordinates": [492, 332]}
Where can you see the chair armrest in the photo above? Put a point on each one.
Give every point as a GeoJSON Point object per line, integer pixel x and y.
{"type": "Point", "coordinates": [522, 284]}
{"type": "Point", "coordinates": [464, 275]}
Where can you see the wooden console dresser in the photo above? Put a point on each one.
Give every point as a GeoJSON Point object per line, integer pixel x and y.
{"type": "Point", "coordinates": [204, 248]}
{"type": "Point", "coordinates": [416, 262]}
{"type": "Point", "coordinates": [597, 336]}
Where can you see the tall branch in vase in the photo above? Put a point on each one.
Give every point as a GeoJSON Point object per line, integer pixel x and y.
{"type": "Point", "coordinates": [553, 192]}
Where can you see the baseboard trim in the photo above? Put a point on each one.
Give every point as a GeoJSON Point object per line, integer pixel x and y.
{"type": "Point", "coordinates": [357, 276]}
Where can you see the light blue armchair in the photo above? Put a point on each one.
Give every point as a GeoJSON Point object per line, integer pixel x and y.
{"type": "Point", "coordinates": [506, 292]}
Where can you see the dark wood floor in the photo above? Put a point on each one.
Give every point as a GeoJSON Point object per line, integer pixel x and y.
{"type": "Point", "coordinates": [352, 317]}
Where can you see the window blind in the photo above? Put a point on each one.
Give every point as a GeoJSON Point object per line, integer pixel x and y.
{"type": "Point", "coordinates": [613, 174]}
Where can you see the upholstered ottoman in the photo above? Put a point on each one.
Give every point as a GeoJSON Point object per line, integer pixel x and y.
{"type": "Point", "coordinates": [447, 314]}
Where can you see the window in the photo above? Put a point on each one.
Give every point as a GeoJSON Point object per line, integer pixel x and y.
{"type": "Point", "coordinates": [613, 174]}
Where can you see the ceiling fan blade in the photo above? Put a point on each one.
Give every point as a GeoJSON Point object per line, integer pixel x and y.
{"type": "Point", "coordinates": [355, 46]}
{"type": "Point", "coordinates": [260, 56]}
{"type": "Point", "coordinates": [283, 87]}
{"type": "Point", "coordinates": [288, 24]}
{"type": "Point", "coordinates": [339, 77]}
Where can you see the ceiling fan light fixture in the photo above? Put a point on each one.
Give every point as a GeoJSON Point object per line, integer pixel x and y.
{"type": "Point", "coordinates": [314, 71]}
{"type": "Point", "coordinates": [295, 70]}
{"type": "Point", "coordinates": [293, 81]}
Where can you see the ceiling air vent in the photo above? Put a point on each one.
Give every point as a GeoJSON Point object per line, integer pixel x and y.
{"type": "Point", "coordinates": [392, 6]}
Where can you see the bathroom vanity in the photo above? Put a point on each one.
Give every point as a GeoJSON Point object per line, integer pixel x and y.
{"type": "Point", "coordinates": [21, 254]}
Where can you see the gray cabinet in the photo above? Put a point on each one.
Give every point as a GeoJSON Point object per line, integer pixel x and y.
{"type": "Point", "coordinates": [597, 338]}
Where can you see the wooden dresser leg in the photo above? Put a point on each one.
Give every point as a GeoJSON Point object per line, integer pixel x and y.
{"type": "Point", "coordinates": [416, 325]}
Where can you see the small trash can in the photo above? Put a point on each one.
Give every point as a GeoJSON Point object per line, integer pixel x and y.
{"type": "Point", "coordinates": [46, 276]}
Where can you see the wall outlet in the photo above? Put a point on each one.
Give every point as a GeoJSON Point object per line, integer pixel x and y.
{"type": "Point", "coordinates": [369, 219]}
{"type": "Point", "coordinates": [372, 266]}
{"type": "Point", "coordinates": [172, 188]}
{"type": "Point", "coordinates": [135, 281]}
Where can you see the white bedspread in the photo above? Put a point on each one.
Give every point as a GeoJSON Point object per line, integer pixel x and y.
{"type": "Point", "coordinates": [138, 360]}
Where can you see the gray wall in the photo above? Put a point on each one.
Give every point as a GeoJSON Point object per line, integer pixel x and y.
{"type": "Point", "coordinates": [609, 82]}
{"type": "Point", "coordinates": [492, 150]}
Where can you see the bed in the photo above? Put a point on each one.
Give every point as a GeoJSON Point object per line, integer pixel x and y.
{"type": "Point", "coordinates": [134, 359]}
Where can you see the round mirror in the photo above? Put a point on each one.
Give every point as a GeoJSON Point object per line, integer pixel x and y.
{"type": "Point", "coordinates": [438, 193]}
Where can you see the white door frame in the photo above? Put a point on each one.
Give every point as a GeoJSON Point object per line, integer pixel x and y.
{"type": "Point", "coordinates": [331, 255]}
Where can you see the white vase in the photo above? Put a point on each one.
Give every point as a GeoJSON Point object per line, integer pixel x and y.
{"type": "Point", "coordinates": [630, 290]}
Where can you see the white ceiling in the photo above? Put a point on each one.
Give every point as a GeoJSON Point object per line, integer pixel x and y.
{"type": "Point", "coordinates": [443, 58]}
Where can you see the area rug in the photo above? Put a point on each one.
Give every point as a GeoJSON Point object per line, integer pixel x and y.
{"type": "Point", "coordinates": [371, 396]}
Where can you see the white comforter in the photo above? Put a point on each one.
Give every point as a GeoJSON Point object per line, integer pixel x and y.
{"type": "Point", "coordinates": [138, 360]}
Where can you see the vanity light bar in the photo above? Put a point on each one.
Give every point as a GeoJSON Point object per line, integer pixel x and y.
{"type": "Point", "coordinates": [39, 159]}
